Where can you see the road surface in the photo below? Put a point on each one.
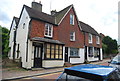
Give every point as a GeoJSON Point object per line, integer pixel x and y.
{"type": "Point", "coordinates": [47, 77]}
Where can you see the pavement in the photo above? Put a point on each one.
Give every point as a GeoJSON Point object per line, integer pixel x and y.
{"type": "Point", "coordinates": [12, 75]}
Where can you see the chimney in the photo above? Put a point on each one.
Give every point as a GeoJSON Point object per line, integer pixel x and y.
{"type": "Point", "coordinates": [37, 6]}
{"type": "Point", "coordinates": [53, 12]}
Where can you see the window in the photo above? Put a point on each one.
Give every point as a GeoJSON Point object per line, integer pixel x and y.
{"type": "Point", "coordinates": [54, 51]}
{"type": "Point", "coordinates": [90, 51]}
{"type": "Point", "coordinates": [48, 30]}
{"type": "Point", "coordinates": [23, 25]}
{"type": "Point", "coordinates": [96, 52]}
{"type": "Point", "coordinates": [97, 40]}
{"type": "Point", "coordinates": [90, 38]}
{"type": "Point", "coordinates": [72, 19]}
{"type": "Point", "coordinates": [72, 36]}
{"type": "Point", "coordinates": [74, 52]}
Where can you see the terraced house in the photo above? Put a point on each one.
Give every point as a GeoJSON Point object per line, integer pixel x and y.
{"type": "Point", "coordinates": [43, 40]}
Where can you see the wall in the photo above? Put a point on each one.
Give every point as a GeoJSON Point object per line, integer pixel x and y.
{"type": "Point", "coordinates": [78, 60]}
{"type": "Point", "coordinates": [64, 31]}
{"type": "Point", "coordinates": [11, 40]}
{"type": "Point", "coordinates": [22, 35]}
{"type": "Point", "coordinates": [93, 44]}
{"type": "Point", "coordinates": [52, 63]}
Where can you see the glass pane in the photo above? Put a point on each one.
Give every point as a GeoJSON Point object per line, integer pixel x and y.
{"type": "Point", "coordinates": [56, 52]}
{"type": "Point", "coordinates": [39, 52]}
{"type": "Point", "coordinates": [52, 55]}
{"type": "Point", "coordinates": [60, 51]}
{"type": "Point", "coordinates": [48, 45]}
{"type": "Point", "coordinates": [52, 51]}
{"type": "Point", "coordinates": [56, 46]}
{"type": "Point", "coordinates": [52, 47]}
{"type": "Point", "coordinates": [47, 55]}
{"type": "Point", "coordinates": [56, 56]}
{"type": "Point", "coordinates": [60, 47]}
{"type": "Point", "coordinates": [60, 56]}
{"type": "Point", "coordinates": [48, 50]}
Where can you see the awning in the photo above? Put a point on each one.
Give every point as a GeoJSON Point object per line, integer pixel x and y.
{"type": "Point", "coordinates": [40, 39]}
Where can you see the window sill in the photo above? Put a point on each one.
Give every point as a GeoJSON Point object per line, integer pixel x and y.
{"type": "Point", "coordinates": [48, 36]}
{"type": "Point", "coordinates": [72, 40]}
{"type": "Point", "coordinates": [90, 55]}
{"type": "Point", "coordinates": [74, 56]}
{"type": "Point", "coordinates": [52, 59]}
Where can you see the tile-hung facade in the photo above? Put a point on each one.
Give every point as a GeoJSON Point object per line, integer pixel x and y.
{"type": "Point", "coordinates": [49, 40]}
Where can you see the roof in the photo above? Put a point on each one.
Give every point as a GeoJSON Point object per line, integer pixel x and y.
{"type": "Point", "coordinates": [90, 70]}
{"type": "Point", "coordinates": [39, 15]}
{"type": "Point", "coordinates": [59, 15]}
{"type": "Point", "coordinates": [53, 19]}
{"type": "Point", "coordinates": [87, 28]}
{"type": "Point", "coordinates": [46, 40]}
{"type": "Point", "coordinates": [16, 20]}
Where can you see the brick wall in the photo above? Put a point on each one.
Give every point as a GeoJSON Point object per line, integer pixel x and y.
{"type": "Point", "coordinates": [64, 32]}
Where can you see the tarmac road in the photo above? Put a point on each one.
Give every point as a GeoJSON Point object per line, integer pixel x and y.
{"type": "Point", "coordinates": [47, 77]}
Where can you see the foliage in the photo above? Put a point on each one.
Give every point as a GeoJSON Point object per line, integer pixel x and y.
{"type": "Point", "coordinates": [5, 41]}
{"type": "Point", "coordinates": [109, 45]}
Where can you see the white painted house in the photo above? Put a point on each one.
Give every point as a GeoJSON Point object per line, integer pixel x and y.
{"type": "Point", "coordinates": [41, 40]}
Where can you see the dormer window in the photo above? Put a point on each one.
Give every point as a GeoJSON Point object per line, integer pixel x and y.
{"type": "Point", "coordinates": [48, 30]}
{"type": "Point", "coordinates": [71, 19]}
{"type": "Point", "coordinates": [72, 36]}
{"type": "Point", "coordinates": [97, 40]}
{"type": "Point", "coordinates": [90, 38]}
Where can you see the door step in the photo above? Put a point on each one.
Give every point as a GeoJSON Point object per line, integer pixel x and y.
{"type": "Point", "coordinates": [67, 64]}
{"type": "Point", "coordinates": [36, 69]}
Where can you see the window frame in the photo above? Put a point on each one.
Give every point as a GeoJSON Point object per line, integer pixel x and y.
{"type": "Point", "coordinates": [72, 19]}
{"type": "Point", "coordinates": [90, 37]}
{"type": "Point", "coordinates": [47, 28]}
{"type": "Point", "coordinates": [73, 36]}
{"type": "Point", "coordinates": [97, 40]}
{"type": "Point", "coordinates": [60, 48]}
{"type": "Point", "coordinates": [90, 51]}
{"type": "Point", "coordinates": [74, 50]}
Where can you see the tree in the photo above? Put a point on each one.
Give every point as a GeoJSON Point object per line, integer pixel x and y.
{"type": "Point", "coordinates": [5, 41]}
{"type": "Point", "coordinates": [110, 45]}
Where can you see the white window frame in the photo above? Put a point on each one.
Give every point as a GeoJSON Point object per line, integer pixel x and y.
{"type": "Point", "coordinates": [97, 40]}
{"type": "Point", "coordinates": [48, 30]}
{"type": "Point", "coordinates": [74, 51]}
{"type": "Point", "coordinates": [90, 35]}
{"type": "Point", "coordinates": [72, 34]}
{"type": "Point", "coordinates": [72, 17]}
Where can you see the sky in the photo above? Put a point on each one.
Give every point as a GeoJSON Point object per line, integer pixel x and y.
{"type": "Point", "coordinates": [102, 15]}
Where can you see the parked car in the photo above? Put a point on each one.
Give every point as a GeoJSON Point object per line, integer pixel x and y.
{"type": "Point", "coordinates": [115, 62]}
{"type": "Point", "coordinates": [90, 72]}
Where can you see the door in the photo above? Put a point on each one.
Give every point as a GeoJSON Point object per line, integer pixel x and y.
{"type": "Point", "coordinates": [85, 52]}
{"type": "Point", "coordinates": [38, 56]}
{"type": "Point", "coordinates": [66, 54]}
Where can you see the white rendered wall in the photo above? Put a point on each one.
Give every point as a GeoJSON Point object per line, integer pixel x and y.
{"type": "Point", "coordinates": [78, 60]}
{"type": "Point", "coordinates": [11, 42]}
{"type": "Point", "coordinates": [52, 63]}
{"type": "Point", "coordinates": [22, 35]}
{"type": "Point", "coordinates": [101, 54]}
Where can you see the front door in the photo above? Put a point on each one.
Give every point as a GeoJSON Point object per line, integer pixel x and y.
{"type": "Point", "coordinates": [85, 52]}
{"type": "Point", "coordinates": [38, 56]}
{"type": "Point", "coordinates": [66, 54]}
